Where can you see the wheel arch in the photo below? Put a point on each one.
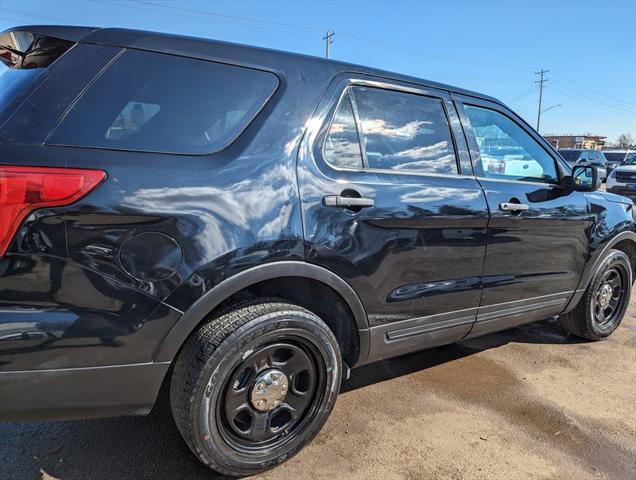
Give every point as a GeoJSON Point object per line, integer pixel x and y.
{"type": "Point", "coordinates": [275, 278]}
{"type": "Point", "coordinates": [624, 241]}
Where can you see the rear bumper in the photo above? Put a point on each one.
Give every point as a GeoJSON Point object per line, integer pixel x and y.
{"type": "Point", "coordinates": [75, 393]}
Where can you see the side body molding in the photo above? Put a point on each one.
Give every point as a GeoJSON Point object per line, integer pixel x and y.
{"type": "Point", "coordinates": [169, 347]}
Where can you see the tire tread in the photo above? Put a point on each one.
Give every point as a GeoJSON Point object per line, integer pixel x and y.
{"type": "Point", "coordinates": [200, 346]}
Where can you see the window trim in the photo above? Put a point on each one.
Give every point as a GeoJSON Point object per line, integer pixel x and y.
{"type": "Point", "coordinates": [345, 92]}
{"type": "Point", "coordinates": [350, 84]}
{"type": "Point", "coordinates": [473, 147]}
{"type": "Point", "coordinates": [112, 61]}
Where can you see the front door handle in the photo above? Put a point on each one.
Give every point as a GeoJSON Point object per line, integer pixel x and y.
{"type": "Point", "coordinates": [513, 207]}
{"type": "Point", "coordinates": [338, 201]}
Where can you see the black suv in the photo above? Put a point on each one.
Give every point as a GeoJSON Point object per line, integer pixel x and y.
{"type": "Point", "coordinates": [244, 226]}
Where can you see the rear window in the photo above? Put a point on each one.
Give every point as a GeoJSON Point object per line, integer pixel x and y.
{"type": "Point", "coordinates": [23, 57]}
{"type": "Point", "coordinates": [163, 103]}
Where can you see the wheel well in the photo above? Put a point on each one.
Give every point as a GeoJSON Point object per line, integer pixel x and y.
{"type": "Point", "coordinates": [316, 297]}
{"type": "Point", "coordinates": [629, 248]}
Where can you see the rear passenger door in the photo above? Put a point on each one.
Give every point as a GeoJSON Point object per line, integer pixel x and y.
{"type": "Point", "coordinates": [391, 205]}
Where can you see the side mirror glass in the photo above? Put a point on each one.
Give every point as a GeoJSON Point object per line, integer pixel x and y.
{"type": "Point", "coordinates": [585, 178]}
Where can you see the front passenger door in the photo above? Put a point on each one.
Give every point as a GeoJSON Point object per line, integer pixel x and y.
{"type": "Point", "coordinates": [538, 230]}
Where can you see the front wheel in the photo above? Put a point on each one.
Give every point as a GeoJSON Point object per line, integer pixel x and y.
{"type": "Point", "coordinates": [254, 385]}
{"type": "Point", "coordinates": [602, 307]}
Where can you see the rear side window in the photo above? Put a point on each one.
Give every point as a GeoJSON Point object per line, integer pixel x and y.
{"type": "Point", "coordinates": [342, 146]}
{"type": "Point", "coordinates": [404, 132]}
{"type": "Point", "coordinates": [23, 57]}
{"type": "Point", "coordinates": [163, 103]}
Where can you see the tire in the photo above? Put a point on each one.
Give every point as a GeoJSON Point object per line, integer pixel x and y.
{"type": "Point", "coordinates": [585, 320]}
{"type": "Point", "coordinates": [231, 373]}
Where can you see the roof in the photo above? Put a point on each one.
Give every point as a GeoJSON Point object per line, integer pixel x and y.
{"type": "Point", "coordinates": [209, 49]}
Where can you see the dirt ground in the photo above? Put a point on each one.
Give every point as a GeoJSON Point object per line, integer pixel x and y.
{"type": "Point", "coordinates": [530, 402]}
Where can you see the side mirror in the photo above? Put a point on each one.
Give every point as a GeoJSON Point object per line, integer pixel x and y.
{"type": "Point", "coordinates": [585, 178]}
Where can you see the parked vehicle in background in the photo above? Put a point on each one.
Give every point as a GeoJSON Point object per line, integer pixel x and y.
{"type": "Point", "coordinates": [616, 158]}
{"type": "Point", "coordinates": [594, 158]}
{"type": "Point", "coordinates": [622, 180]}
{"type": "Point", "coordinates": [244, 225]}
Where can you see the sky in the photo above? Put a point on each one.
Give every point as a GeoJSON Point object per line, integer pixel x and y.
{"type": "Point", "coordinates": [493, 47]}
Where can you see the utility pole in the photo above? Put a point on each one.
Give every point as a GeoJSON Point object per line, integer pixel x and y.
{"type": "Point", "coordinates": [328, 41]}
{"type": "Point", "coordinates": [541, 82]}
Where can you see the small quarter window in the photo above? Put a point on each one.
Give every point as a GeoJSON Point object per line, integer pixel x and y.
{"type": "Point", "coordinates": [506, 151]}
{"type": "Point", "coordinates": [342, 145]}
{"type": "Point", "coordinates": [155, 102]}
{"type": "Point", "coordinates": [404, 132]}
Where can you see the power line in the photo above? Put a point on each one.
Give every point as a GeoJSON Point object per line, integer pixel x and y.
{"type": "Point", "coordinates": [221, 15]}
{"type": "Point", "coordinates": [579, 86]}
{"type": "Point", "coordinates": [22, 13]}
{"type": "Point", "coordinates": [428, 54]}
{"type": "Point", "coordinates": [623, 106]}
{"type": "Point", "coordinates": [522, 96]}
{"type": "Point", "coordinates": [589, 103]}
{"type": "Point", "coordinates": [550, 108]}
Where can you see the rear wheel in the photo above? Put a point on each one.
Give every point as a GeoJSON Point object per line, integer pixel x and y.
{"type": "Point", "coordinates": [602, 307]}
{"type": "Point", "coordinates": [254, 385]}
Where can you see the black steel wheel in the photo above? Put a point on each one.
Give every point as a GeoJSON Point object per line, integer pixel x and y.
{"type": "Point", "coordinates": [254, 385]}
{"type": "Point", "coordinates": [602, 307]}
{"type": "Point", "coordinates": [610, 296]}
{"type": "Point", "coordinates": [271, 394]}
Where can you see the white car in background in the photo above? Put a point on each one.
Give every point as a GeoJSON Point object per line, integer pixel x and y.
{"type": "Point", "coordinates": [622, 180]}
{"type": "Point", "coordinates": [512, 165]}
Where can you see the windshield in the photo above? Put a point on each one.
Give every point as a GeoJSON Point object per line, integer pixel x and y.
{"type": "Point", "coordinates": [630, 159]}
{"type": "Point", "coordinates": [615, 157]}
{"type": "Point", "coordinates": [598, 158]}
{"type": "Point", "coordinates": [570, 156]}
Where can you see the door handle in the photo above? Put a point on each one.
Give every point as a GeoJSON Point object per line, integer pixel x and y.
{"type": "Point", "coordinates": [513, 207]}
{"type": "Point", "coordinates": [338, 201]}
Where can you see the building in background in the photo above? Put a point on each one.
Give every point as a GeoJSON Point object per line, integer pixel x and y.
{"type": "Point", "coordinates": [587, 141]}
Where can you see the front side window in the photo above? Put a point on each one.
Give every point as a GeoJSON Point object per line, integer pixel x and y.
{"type": "Point", "coordinates": [404, 132]}
{"type": "Point", "coordinates": [164, 103]}
{"type": "Point", "coordinates": [506, 151]}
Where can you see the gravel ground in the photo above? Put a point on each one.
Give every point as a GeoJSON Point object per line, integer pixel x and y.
{"type": "Point", "coordinates": [530, 402]}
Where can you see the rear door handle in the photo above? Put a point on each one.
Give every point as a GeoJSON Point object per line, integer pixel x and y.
{"type": "Point", "coordinates": [338, 201]}
{"type": "Point", "coordinates": [513, 207]}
